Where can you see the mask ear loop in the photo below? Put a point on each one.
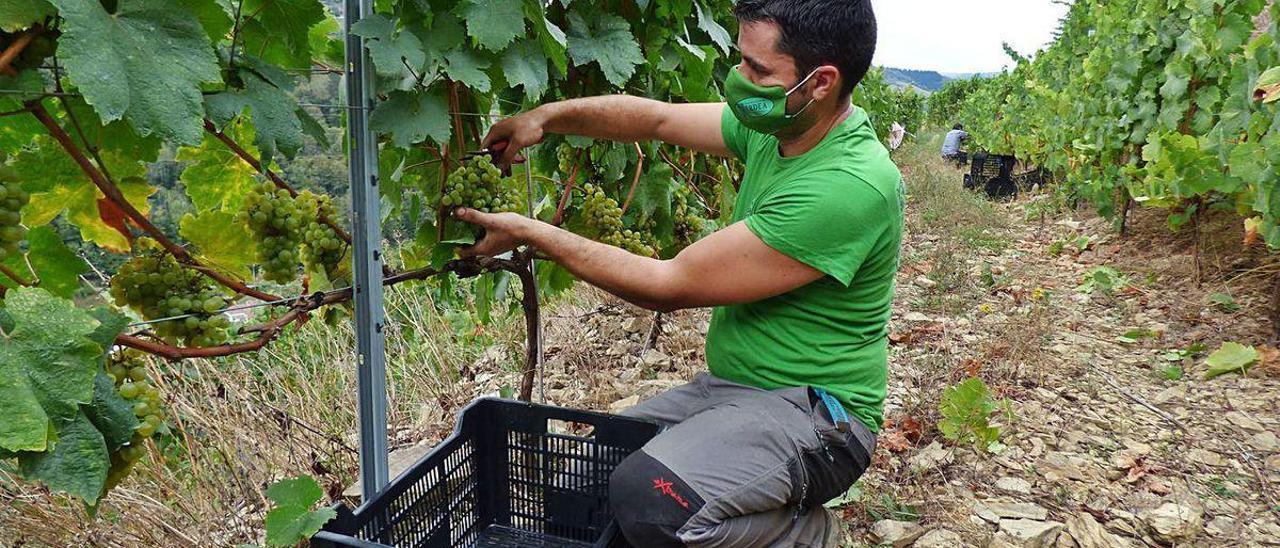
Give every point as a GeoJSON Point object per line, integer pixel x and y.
{"type": "Point", "coordinates": [797, 86]}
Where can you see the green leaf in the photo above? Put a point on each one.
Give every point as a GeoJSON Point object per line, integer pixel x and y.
{"type": "Point", "coordinates": [713, 29]}
{"type": "Point", "coordinates": [1268, 88]}
{"type": "Point", "coordinates": [19, 14]}
{"type": "Point", "coordinates": [524, 65]}
{"type": "Point", "coordinates": [56, 266]}
{"type": "Point", "coordinates": [653, 197]}
{"type": "Point", "coordinates": [47, 366]}
{"type": "Point", "coordinates": [145, 62]}
{"type": "Point", "coordinates": [550, 37]}
{"type": "Point", "coordinates": [412, 117]}
{"type": "Point", "coordinates": [493, 23]}
{"type": "Point", "coordinates": [468, 67]}
{"type": "Point", "coordinates": [1231, 358]}
{"type": "Point", "coordinates": [606, 40]}
{"type": "Point", "coordinates": [279, 31]}
{"type": "Point", "coordinates": [966, 410]}
{"type": "Point", "coordinates": [17, 131]}
{"type": "Point", "coordinates": [220, 241]}
{"type": "Point", "coordinates": [446, 34]}
{"type": "Point", "coordinates": [215, 177]}
{"type": "Point", "coordinates": [326, 41]}
{"type": "Point", "coordinates": [110, 413]}
{"type": "Point", "coordinates": [110, 324]}
{"type": "Point", "coordinates": [76, 463]}
{"type": "Point", "coordinates": [213, 16]}
{"type": "Point", "coordinates": [298, 491]}
{"type": "Point", "coordinates": [273, 111]}
{"type": "Point", "coordinates": [396, 55]}
{"type": "Point", "coordinates": [292, 520]}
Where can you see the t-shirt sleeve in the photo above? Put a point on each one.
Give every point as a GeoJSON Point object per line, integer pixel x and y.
{"type": "Point", "coordinates": [735, 134]}
{"type": "Point", "coordinates": [831, 224]}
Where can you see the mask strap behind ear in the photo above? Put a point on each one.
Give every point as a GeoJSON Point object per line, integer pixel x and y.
{"type": "Point", "coordinates": [806, 79]}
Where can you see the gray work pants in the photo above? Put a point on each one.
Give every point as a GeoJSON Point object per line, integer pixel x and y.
{"type": "Point", "coordinates": [737, 467]}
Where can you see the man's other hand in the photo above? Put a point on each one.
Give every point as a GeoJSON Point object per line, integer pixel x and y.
{"type": "Point", "coordinates": [502, 232]}
{"type": "Point", "coordinates": [517, 132]}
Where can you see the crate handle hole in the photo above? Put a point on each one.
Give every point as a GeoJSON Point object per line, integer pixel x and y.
{"type": "Point", "coordinates": [571, 428]}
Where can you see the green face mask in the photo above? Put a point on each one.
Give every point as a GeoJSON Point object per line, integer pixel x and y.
{"type": "Point", "coordinates": [761, 108]}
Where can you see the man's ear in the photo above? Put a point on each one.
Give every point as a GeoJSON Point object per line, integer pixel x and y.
{"type": "Point", "coordinates": [826, 82]}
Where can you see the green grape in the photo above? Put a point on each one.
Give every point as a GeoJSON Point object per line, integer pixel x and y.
{"type": "Point", "coordinates": [144, 399]}
{"type": "Point", "coordinates": [156, 286]}
{"type": "Point", "coordinates": [323, 251]}
{"type": "Point", "coordinates": [12, 200]}
{"type": "Point", "coordinates": [276, 219]}
{"type": "Point", "coordinates": [478, 184]}
{"type": "Point", "coordinates": [603, 217]}
{"type": "Point", "coordinates": [688, 226]}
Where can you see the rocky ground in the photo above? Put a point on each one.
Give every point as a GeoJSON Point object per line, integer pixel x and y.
{"type": "Point", "coordinates": [1110, 434]}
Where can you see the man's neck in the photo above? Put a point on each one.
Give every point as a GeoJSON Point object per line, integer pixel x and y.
{"type": "Point", "coordinates": [804, 142]}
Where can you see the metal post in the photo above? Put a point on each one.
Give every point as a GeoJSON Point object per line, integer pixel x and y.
{"type": "Point", "coordinates": [371, 360]}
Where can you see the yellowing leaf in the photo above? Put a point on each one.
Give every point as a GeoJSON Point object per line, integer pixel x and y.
{"type": "Point", "coordinates": [1231, 358]}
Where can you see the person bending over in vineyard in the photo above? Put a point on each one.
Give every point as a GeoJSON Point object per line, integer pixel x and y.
{"type": "Point", "coordinates": [951, 145]}
{"type": "Point", "coordinates": [801, 283]}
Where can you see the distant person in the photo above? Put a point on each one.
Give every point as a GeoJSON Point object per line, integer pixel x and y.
{"type": "Point", "coordinates": [951, 145]}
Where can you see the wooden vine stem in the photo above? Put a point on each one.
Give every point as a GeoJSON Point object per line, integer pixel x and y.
{"type": "Point", "coordinates": [532, 310]}
{"type": "Point", "coordinates": [15, 48]}
{"type": "Point", "coordinates": [112, 193]}
{"type": "Point", "coordinates": [268, 173]}
{"type": "Point", "coordinates": [301, 307]}
{"type": "Point", "coordinates": [635, 180]}
{"type": "Point", "coordinates": [17, 278]}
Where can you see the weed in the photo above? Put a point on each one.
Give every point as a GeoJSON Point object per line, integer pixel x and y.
{"type": "Point", "coordinates": [966, 414]}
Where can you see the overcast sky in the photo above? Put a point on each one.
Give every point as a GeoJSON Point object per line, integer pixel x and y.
{"type": "Point", "coordinates": [961, 36]}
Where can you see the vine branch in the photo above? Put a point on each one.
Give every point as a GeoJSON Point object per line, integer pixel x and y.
{"type": "Point", "coordinates": [112, 193]}
{"type": "Point", "coordinates": [301, 307]}
{"type": "Point", "coordinates": [568, 191]}
{"type": "Point", "coordinates": [635, 181]}
{"type": "Point", "coordinates": [268, 173]}
{"type": "Point", "coordinates": [17, 278]}
{"type": "Point", "coordinates": [15, 48]}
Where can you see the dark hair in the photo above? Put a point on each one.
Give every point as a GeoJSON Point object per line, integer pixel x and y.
{"type": "Point", "coordinates": [818, 32]}
{"type": "Point", "coordinates": [959, 127]}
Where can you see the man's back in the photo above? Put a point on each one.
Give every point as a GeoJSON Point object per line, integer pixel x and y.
{"type": "Point", "coordinates": [951, 145]}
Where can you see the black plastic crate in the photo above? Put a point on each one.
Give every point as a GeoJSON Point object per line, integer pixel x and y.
{"type": "Point", "coordinates": [992, 173]}
{"type": "Point", "coordinates": [511, 474]}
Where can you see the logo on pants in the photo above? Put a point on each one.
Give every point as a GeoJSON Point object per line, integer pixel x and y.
{"type": "Point", "coordinates": [665, 487]}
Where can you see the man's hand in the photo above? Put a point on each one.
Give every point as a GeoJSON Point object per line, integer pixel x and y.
{"type": "Point", "coordinates": [503, 232]}
{"type": "Point", "coordinates": [517, 132]}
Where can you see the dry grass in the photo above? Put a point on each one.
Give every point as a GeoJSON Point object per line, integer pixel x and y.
{"type": "Point", "coordinates": [244, 422]}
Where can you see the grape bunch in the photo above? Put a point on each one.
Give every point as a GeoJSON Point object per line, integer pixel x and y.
{"type": "Point", "coordinates": [565, 158]}
{"type": "Point", "coordinates": [12, 199]}
{"type": "Point", "coordinates": [277, 221]}
{"type": "Point", "coordinates": [128, 371]}
{"type": "Point", "coordinates": [324, 250]}
{"type": "Point", "coordinates": [603, 217]}
{"type": "Point", "coordinates": [688, 226]}
{"type": "Point", "coordinates": [479, 184]}
{"type": "Point", "coordinates": [153, 284]}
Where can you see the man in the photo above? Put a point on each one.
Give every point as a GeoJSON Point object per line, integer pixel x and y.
{"type": "Point", "coordinates": [951, 145]}
{"type": "Point", "coordinates": [801, 282]}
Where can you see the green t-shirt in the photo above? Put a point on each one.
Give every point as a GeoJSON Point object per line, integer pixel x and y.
{"type": "Point", "coordinates": [837, 208]}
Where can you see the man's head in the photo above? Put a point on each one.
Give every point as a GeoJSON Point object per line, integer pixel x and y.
{"type": "Point", "coordinates": [959, 127]}
{"type": "Point", "coordinates": [783, 41]}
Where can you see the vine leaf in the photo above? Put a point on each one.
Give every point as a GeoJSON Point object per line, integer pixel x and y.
{"type": "Point", "coordinates": [468, 67]}
{"type": "Point", "coordinates": [47, 365]}
{"type": "Point", "coordinates": [1231, 358]}
{"type": "Point", "coordinates": [551, 37]}
{"type": "Point", "coordinates": [325, 42]}
{"type": "Point", "coordinates": [653, 198]}
{"type": "Point", "coordinates": [145, 62]}
{"type": "Point", "coordinates": [524, 65]}
{"type": "Point", "coordinates": [215, 177]}
{"type": "Point", "coordinates": [606, 40]}
{"type": "Point", "coordinates": [393, 53]}
{"type": "Point", "coordinates": [76, 464]}
{"type": "Point", "coordinates": [445, 35]}
{"type": "Point", "coordinates": [713, 29]}
{"type": "Point", "coordinates": [110, 413]}
{"type": "Point", "coordinates": [214, 15]}
{"type": "Point", "coordinates": [56, 266]}
{"type": "Point", "coordinates": [411, 117]}
{"type": "Point", "coordinates": [57, 185]}
{"type": "Point", "coordinates": [17, 131]}
{"type": "Point", "coordinates": [18, 14]}
{"type": "Point", "coordinates": [220, 240]}
{"type": "Point", "coordinates": [493, 23]}
{"type": "Point", "coordinates": [1268, 88]}
{"type": "Point", "coordinates": [280, 30]}
{"type": "Point", "coordinates": [274, 114]}
{"type": "Point", "coordinates": [291, 519]}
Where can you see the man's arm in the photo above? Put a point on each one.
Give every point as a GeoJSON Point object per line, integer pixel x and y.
{"type": "Point", "coordinates": [615, 118]}
{"type": "Point", "coordinates": [729, 267]}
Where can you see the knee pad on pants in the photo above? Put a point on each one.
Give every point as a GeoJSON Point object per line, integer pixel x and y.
{"type": "Point", "coordinates": [650, 502]}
